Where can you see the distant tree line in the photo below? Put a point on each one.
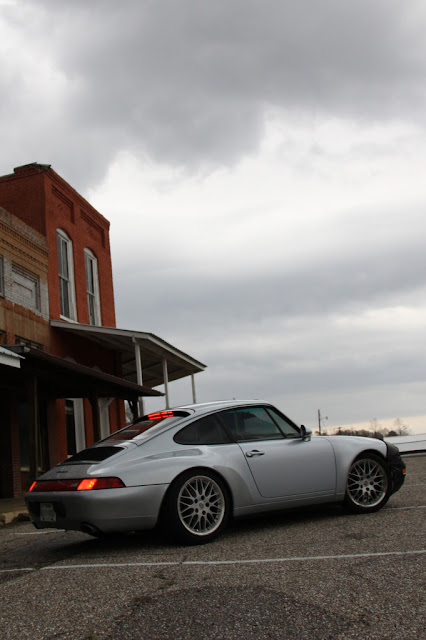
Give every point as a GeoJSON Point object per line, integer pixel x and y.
{"type": "Point", "coordinates": [375, 430]}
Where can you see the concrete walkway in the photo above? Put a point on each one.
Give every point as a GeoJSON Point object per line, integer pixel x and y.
{"type": "Point", "coordinates": [12, 509]}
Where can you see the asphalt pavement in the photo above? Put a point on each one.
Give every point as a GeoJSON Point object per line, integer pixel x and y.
{"type": "Point", "coordinates": [312, 574]}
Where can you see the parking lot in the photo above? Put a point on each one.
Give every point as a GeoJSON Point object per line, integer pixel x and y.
{"type": "Point", "coordinates": [308, 574]}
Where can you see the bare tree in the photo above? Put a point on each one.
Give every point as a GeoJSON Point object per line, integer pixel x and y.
{"type": "Point", "coordinates": [376, 429]}
{"type": "Point", "coordinates": [400, 428]}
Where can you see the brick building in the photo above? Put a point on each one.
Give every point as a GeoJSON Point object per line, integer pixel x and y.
{"type": "Point", "coordinates": [74, 368]}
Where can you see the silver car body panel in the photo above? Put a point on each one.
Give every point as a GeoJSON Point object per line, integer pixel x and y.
{"type": "Point", "coordinates": [261, 475]}
{"type": "Point", "coordinates": [110, 510]}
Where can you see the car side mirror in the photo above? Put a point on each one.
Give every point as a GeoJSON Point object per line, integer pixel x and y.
{"type": "Point", "coordinates": [305, 433]}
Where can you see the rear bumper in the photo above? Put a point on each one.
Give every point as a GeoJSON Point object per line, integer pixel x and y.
{"type": "Point", "coordinates": [108, 510]}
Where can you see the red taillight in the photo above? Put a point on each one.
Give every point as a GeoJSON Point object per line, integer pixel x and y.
{"type": "Point", "coordinates": [87, 484]}
{"type": "Point", "coordinates": [100, 483]}
{"type": "Point", "coordinates": [160, 415]}
{"type": "Point", "coordinates": [54, 485]}
{"type": "Point", "coordinates": [77, 485]}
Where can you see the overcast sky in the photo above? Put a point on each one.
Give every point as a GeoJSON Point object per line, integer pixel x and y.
{"type": "Point", "coordinates": [262, 166]}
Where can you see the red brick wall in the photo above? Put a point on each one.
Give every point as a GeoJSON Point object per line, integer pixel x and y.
{"type": "Point", "coordinates": [66, 210]}
{"type": "Point", "coordinates": [16, 320]}
{"type": "Point", "coordinates": [42, 199]}
{"type": "Point", "coordinates": [61, 434]}
{"type": "Point", "coordinates": [22, 193]}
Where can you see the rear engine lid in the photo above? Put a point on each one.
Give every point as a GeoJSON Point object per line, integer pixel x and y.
{"type": "Point", "coordinates": [95, 454]}
{"type": "Point", "coordinates": [63, 472]}
{"type": "Point", "coordinates": [83, 462]}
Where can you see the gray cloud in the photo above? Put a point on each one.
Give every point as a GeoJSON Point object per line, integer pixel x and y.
{"type": "Point", "coordinates": [386, 276]}
{"type": "Point", "coordinates": [190, 82]}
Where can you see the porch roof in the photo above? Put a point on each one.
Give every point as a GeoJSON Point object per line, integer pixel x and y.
{"type": "Point", "coordinates": [61, 378]}
{"type": "Point", "coordinates": [153, 351]}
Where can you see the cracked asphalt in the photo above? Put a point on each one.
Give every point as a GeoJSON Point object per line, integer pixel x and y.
{"type": "Point", "coordinates": [313, 574]}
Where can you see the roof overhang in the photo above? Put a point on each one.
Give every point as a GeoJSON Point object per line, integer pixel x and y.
{"type": "Point", "coordinates": [9, 358]}
{"type": "Point", "coordinates": [60, 378]}
{"type": "Point", "coordinates": [153, 351]}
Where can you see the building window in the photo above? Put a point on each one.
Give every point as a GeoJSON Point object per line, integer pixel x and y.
{"type": "Point", "coordinates": [28, 343]}
{"type": "Point", "coordinates": [66, 276]}
{"type": "Point", "coordinates": [25, 288]}
{"type": "Point", "coordinates": [1, 276]}
{"type": "Point", "coordinates": [92, 287]}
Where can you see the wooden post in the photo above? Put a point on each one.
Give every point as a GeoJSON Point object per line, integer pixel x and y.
{"type": "Point", "coordinates": [33, 430]}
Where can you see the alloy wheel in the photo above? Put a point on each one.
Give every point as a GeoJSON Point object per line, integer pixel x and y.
{"type": "Point", "coordinates": [201, 505]}
{"type": "Point", "coordinates": [367, 483]}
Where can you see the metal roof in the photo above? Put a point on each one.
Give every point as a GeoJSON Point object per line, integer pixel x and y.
{"type": "Point", "coordinates": [9, 358]}
{"type": "Point", "coordinates": [153, 351]}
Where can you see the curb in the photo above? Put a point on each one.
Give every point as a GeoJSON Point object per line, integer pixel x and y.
{"type": "Point", "coordinates": [18, 515]}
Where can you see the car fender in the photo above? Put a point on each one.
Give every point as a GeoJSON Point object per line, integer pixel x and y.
{"type": "Point", "coordinates": [346, 449]}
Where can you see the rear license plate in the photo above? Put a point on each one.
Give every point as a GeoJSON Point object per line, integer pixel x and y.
{"type": "Point", "coordinates": [47, 512]}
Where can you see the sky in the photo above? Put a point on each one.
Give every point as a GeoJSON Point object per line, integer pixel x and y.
{"type": "Point", "coordinates": [262, 167]}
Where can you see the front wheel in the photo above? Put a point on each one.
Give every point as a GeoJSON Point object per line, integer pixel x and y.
{"type": "Point", "coordinates": [368, 486]}
{"type": "Point", "coordinates": [197, 508]}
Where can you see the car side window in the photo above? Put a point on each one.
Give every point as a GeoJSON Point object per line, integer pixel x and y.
{"type": "Point", "coordinates": [250, 423]}
{"type": "Point", "coordinates": [286, 427]}
{"type": "Point", "coordinates": [207, 430]}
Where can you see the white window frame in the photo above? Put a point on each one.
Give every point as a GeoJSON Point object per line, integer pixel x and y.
{"type": "Point", "coordinates": [68, 278]}
{"type": "Point", "coordinates": [93, 295]}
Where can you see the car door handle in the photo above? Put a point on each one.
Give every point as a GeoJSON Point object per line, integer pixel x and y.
{"type": "Point", "coordinates": [254, 452]}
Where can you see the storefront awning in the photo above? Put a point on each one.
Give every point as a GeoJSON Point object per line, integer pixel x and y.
{"type": "Point", "coordinates": [9, 358]}
{"type": "Point", "coordinates": [61, 378]}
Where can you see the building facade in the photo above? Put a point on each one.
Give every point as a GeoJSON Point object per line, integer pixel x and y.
{"type": "Point", "coordinates": [57, 313]}
{"type": "Point", "coordinates": [24, 318]}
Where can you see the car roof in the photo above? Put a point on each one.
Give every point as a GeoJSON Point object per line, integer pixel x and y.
{"type": "Point", "coordinates": [207, 407]}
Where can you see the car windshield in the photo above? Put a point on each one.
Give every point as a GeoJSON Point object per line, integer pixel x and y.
{"type": "Point", "coordinates": [141, 426]}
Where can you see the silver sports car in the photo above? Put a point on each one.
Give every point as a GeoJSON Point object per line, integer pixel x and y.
{"type": "Point", "coordinates": [190, 469]}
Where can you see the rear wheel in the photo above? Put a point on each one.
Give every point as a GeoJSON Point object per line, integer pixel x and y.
{"type": "Point", "coordinates": [368, 486]}
{"type": "Point", "coordinates": [197, 508]}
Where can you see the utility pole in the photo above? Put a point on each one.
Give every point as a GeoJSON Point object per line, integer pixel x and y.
{"type": "Point", "coordinates": [319, 421]}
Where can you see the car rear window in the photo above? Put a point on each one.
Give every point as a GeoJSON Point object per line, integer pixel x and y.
{"type": "Point", "coordinates": [139, 427]}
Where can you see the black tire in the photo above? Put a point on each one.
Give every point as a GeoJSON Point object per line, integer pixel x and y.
{"type": "Point", "coordinates": [196, 509]}
{"type": "Point", "coordinates": [369, 484]}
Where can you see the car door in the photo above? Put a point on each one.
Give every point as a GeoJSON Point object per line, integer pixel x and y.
{"type": "Point", "coordinates": [281, 463]}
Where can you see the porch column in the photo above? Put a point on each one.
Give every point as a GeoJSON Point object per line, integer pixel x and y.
{"type": "Point", "coordinates": [139, 377]}
{"type": "Point", "coordinates": [166, 382]}
{"type": "Point", "coordinates": [194, 399]}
